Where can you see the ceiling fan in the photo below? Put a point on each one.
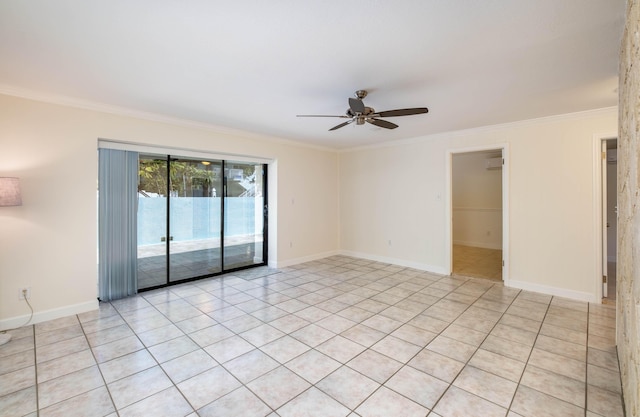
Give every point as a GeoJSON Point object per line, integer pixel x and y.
{"type": "Point", "coordinates": [359, 113]}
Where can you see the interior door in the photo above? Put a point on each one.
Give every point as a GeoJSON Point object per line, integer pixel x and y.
{"type": "Point", "coordinates": [605, 224]}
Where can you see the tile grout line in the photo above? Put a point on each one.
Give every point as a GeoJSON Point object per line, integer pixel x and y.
{"type": "Point", "coordinates": [466, 280]}
{"type": "Point", "coordinates": [216, 361]}
{"type": "Point", "coordinates": [338, 334]}
{"type": "Point", "coordinates": [438, 334]}
{"type": "Point", "coordinates": [312, 385]}
{"type": "Point", "coordinates": [526, 364]}
{"type": "Point", "coordinates": [476, 350]}
{"type": "Point", "coordinates": [35, 369]}
{"type": "Point", "coordinates": [386, 335]}
{"type": "Point", "coordinates": [106, 387]}
{"type": "Point", "coordinates": [119, 313]}
{"type": "Point", "coordinates": [300, 282]}
{"type": "Point", "coordinates": [443, 297]}
{"type": "Point", "coordinates": [621, 393]}
{"type": "Point", "coordinates": [246, 386]}
{"type": "Point", "coordinates": [352, 410]}
{"type": "Point", "coordinates": [173, 384]}
{"type": "Point", "coordinates": [311, 348]}
{"type": "Point", "coordinates": [624, 410]}
{"type": "Point", "coordinates": [221, 365]}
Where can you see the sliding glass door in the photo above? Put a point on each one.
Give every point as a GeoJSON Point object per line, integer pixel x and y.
{"type": "Point", "coordinates": [194, 218]}
{"type": "Point", "coordinates": [244, 214]}
{"type": "Point", "coordinates": [152, 220]}
{"type": "Point", "coordinates": [187, 207]}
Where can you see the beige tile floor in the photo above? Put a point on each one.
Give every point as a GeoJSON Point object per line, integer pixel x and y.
{"type": "Point", "coordinates": [476, 262]}
{"type": "Point", "coordinates": [335, 337]}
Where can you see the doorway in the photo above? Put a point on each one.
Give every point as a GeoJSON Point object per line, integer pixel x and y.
{"type": "Point", "coordinates": [198, 217]}
{"type": "Point", "coordinates": [477, 214]}
{"type": "Point", "coordinates": [609, 198]}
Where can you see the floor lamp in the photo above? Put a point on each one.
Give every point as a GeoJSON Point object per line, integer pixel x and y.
{"type": "Point", "coordinates": [10, 195]}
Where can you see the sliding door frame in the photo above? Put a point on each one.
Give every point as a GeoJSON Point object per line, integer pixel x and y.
{"type": "Point", "coordinates": [171, 153]}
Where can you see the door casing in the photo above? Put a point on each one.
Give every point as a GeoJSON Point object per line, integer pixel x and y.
{"type": "Point", "coordinates": [599, 221]}
{"type": "Point", "coordinates": [504, 148]}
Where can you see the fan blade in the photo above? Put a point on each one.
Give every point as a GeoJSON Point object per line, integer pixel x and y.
{"type": "Point", "coordinates": [322, 115]}
{"type": "Point", "coordinates": [356, 105]}
{"type": "Point", "coordinates": [382, 123]}
{"type": "Point", "coordinates": [341, 125]}
{"type": "Point", "coordinates": [402, 112]}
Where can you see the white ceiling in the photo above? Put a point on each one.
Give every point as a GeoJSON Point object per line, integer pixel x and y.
{"type": "Point", "coordinates": [254, 64]}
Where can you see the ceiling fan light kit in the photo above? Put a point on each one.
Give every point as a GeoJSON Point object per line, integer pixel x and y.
{"type": "Point", "coordinates": [361, 114]}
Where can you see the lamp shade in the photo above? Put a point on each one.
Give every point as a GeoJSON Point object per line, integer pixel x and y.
{"type": "Point", "coordinates": [10, 194]}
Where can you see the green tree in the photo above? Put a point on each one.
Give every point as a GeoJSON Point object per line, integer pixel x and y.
{"type": "Point", "coordinates": [188, 178]}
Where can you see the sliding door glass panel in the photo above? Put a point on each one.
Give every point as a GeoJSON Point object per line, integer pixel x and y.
{"type": "Point", "coordinates": [198, 218]}
{"type": "Point", "coordinates": [194, 218]}
{"type": "Point", "coordinates": [243, 215]}
{"type": "Point", "coordinates": [152, 221]}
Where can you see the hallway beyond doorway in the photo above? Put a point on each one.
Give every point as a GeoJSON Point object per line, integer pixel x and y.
{"type": "Point", "coordinates": [477, 262]}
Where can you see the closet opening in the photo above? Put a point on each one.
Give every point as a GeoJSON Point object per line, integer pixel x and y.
{"type": "Point", "coordinates": [478, 215]}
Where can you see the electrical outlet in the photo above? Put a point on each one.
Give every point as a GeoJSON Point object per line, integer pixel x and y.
{"type": "Point", "coordinates": [24, 293]}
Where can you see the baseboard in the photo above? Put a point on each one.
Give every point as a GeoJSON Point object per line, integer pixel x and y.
{"type": "Point", "coordinates": [555, 291]}
{"type": "Point", "coordinates": [395, 261]}
{"type": "Point", "coordinates": [56, 313]}
{"type": "Point", "coordinates": [289, 262]}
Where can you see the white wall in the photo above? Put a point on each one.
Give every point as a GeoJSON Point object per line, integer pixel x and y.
{"type": "Point", "coordinates": [384, 203]}
{"type": "Point", "coordinates": [476, 200]}
{"type": "Point", "coordinates": [398, 193]}
{"type": "Point", "coordinates": [49, 243]}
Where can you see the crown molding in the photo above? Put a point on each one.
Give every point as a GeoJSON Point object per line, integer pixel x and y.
{"type": "Point", "coordinates": [488, 128]}
{"type": "Point", "coordinates": [67, 101]}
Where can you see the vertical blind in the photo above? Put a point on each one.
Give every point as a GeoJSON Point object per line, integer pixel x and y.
{"type": "Point", "coordinates": [117, 224]}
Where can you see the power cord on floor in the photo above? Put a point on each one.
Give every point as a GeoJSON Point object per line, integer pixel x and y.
{"type": "Point", "coordinates": [27, 322]}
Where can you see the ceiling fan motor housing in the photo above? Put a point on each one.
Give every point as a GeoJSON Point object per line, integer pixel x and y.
{"type": "Point", "coordinates": [360, 117]}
